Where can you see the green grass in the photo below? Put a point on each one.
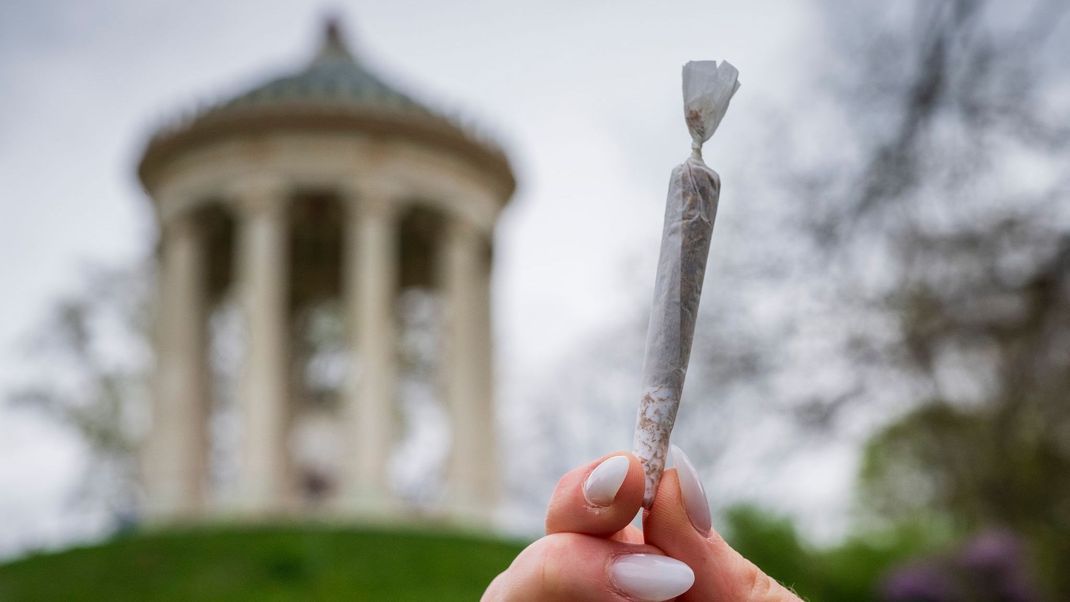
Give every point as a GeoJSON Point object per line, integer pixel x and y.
{"type": "Point", "coordinates": [293, 562]}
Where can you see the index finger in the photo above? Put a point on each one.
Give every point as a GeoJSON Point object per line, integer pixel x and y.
{"type": "Point", "coordinates": [679, 524]}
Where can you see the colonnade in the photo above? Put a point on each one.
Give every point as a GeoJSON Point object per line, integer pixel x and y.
{"type": "Point", "coordinates": [176, 471]}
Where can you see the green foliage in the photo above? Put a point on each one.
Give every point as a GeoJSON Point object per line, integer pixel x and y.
{"type": "Point", "coordinates": [929, 458]}
{"type": "Point", "coordinates": [265, 564]}
{"type": "Point", "coordinates": [977, 468]}
{"type": "Point", "coordinates": [848, 572]}
{"type": "Point", "coordinates": [768, 541]}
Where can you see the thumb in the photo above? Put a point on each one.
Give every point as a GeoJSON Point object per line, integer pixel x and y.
{"type": "Point", "coordinates": [598, 498]}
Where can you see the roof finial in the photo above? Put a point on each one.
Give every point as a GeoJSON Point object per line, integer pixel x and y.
{"type": "Point", "coordinates": [333, 46]}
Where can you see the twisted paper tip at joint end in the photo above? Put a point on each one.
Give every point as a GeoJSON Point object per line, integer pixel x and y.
{"type": "Point", "coordinates": [708, 88]}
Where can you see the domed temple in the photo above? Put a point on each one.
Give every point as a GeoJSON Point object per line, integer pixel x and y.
{"type": "Point", "coordinates": [321, 198]}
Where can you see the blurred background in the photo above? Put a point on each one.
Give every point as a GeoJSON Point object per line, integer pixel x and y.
{"type": "Point", "coordinates": [878, 396]}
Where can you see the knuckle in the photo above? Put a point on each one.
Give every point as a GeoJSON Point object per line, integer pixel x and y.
{"type": "Point", "coordinates": [758, 584]}
{"type": "Point", "coordinates": [547, 570]}
{"type": "Point", "coordinates": [496, 590]}
{"type": "Point", "coordinates": [543, 558]}
{"type": "Point", "coordinates": [760, 587]}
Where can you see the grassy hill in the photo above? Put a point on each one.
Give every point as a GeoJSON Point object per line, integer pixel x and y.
{"type": "Point", "coordinates": [294, 562]}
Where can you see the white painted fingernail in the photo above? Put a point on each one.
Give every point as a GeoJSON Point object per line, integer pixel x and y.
{"type": "Point", "coordinates": [650, 577]}
{"type": "Point", "coordinates": [602, 485]}
{"type": "Point", "coordinates": [691, 490]}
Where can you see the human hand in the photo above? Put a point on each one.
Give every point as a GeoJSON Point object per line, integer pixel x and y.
{"type": "Point", "coordinates": [591, 552]}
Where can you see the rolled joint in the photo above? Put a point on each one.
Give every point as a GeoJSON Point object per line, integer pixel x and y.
{"type": "Point", "coordinates": [657, 413]}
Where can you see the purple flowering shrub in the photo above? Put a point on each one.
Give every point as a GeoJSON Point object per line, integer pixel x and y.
{"type": "Point", "coordinates": [990, 567]}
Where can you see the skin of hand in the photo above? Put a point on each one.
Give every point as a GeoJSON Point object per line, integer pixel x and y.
{"type": "Point", "coordinates": [592, 552]}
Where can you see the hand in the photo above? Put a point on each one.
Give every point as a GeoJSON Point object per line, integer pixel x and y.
{"type": "Point", "coordinates": [591, 552]}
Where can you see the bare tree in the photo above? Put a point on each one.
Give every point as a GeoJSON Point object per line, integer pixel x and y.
{"type": "Point", "coordinates": [946, 247]}
{"type": "Point", "coordinates": [93, 361]}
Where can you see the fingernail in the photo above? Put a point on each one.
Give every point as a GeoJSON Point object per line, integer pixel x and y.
{"type": "Point", "coordinates": [649, 577]}
{"type": "Point", "coordinates": [691, 490]}
{"type": "Point", "coordinates": [602, 485]}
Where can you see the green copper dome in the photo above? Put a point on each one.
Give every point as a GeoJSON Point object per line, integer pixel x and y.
{"type": "Point", "coordinates": [334, 93]}
{"type": "Point", "coordinates": [333, 76]}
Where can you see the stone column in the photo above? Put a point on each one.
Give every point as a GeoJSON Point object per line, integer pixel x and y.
{"type": "Point", "coordinates": [371, 281]}
{"type": "Point", "coordinates": [263, 277]}
{"type": "Point", "coordinates": [467, 380]}
{"type": "Point", "coordinates": [177, 447]}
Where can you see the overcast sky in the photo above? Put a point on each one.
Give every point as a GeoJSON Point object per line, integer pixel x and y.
{"type": "Point", "coordinates": [585, 97]}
